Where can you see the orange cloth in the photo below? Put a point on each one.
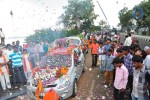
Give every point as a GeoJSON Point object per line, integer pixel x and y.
{"type": "Point", "coordinates": [51, 95]}
{"type": "Point", "coordinates": [94, 48]}
{"type": "Point", "coordinates": [64, 70]}
{"type": "Point", "coordinates": [24, 63]}
{"type": "Point", "coordinates": [93, 38]}
{"type": "Point", "coordinates": [88, 42]}
{"type": "Point", "coordinates": [39, 89]}
{"type": "Point", "coordinates": [1, 72]}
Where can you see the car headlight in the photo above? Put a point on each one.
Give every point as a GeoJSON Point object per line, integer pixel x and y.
{"type": "Point", "coordinates": [63, 82]}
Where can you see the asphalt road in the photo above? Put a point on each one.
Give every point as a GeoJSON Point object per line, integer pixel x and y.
{"type": "Point", "coordinates": [141, 42]}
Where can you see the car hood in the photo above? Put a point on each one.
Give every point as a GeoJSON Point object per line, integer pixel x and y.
{"type": "Point", "coordinates": [49, 76]}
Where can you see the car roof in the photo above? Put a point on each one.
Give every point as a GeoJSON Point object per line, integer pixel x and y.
{"type": "Point", "coordinates": [62, 50]}
{"type": "Point", "coordinates": [74, 38]}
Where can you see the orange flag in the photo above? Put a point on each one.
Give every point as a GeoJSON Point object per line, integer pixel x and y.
{"type": "Point", "coordinates": [39, 89]}
{"type": "Point", "coordinates": [51, 95]}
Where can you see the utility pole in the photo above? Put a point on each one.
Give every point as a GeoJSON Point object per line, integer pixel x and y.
{"type": "Point", "coordinates": [103, 12]}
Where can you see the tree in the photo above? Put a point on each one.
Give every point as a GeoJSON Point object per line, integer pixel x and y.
{"type": "Point", "coordinates": [145, 21]}
{"type": "Point", "coordinates": [125, 17]}
{"type": "Point", "coordinates": [47, 34]}
{"type": "Point", "coordinates": [78, 10]}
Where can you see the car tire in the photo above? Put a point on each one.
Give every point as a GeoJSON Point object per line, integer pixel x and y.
{"type": "Point", "coordinates": [75, 89]}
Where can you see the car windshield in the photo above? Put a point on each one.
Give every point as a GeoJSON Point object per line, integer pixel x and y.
{"type": "Point", "coordinates": [74, 41]}
{"type": "Point", "coordinates": [58, 60]}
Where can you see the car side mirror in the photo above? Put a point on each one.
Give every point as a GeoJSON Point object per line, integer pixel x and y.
{"type": "Point", "coordinates": [77, 63]}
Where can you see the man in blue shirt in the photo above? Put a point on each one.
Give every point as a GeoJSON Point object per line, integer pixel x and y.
{"type": "Point", "coordinates": [17, 65]}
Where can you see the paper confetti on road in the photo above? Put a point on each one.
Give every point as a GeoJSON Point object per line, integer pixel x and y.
{"type": "Point", "coordinates": [103, 97]}
{"type": "Point", "coordinates": [98, 76]}
{"type": "Point", "coordinates": [21, 97]}
{"type": "Point", "coordinates": [10, 94]}
{"type": "Point", "coordinates": [105, 86]}
{"type": "Point", "coordinates": [90, 69]}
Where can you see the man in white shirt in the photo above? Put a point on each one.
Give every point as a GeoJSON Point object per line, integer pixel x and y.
{"type": "Point", "coordinates": [4, 73]}
{"type": "Point", "coordinates": [147, 59]}
{"type": "Point", "coordinates": [7, 53]}
{"type": "Point", "coordinates": [98, 37]}
{"type": "Point", "coordinates": [128, 41]}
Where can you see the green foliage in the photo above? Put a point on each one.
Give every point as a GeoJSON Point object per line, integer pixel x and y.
{"type": "Point", "coordinates": [77, 10]}
{"type": "Point", "coordinates": [72, 32]}
{"type": "Point", "coordinates": [44, 35]}
{"type": "Point", "coordinates": [125, 17]}
{"type": "Point", "coordinates": [144, 33]}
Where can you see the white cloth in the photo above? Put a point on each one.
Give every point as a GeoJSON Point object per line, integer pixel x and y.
{"type": "Point", "coordinates": [4, 77]}
{"type": "Point", "coordinates": [98, 37]}
{"type": "Point", "coordinates": [27, 63]}
{"type": "Point", "coordinates": [128, 41]}
{"type": "Point", "coordinates": [146, 62]}
{"type": "Point", "coordinates": [40, 47]}
{"type": "Point", "coordinates": [101, 50]}
{"type": "Point", "coordinates": [7, 53]}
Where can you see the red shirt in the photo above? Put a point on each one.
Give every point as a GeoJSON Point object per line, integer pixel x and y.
{"type": "Point", "coordinates": [94, 48]}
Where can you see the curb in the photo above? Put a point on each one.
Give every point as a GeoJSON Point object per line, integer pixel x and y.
{"type": "Point", "coordinates": [143, 38]}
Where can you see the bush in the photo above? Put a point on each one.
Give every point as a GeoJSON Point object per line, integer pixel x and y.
{"type": "Point", "coordinates": [144, 33]}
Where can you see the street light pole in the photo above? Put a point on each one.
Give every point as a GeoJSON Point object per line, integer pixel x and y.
{"type": "Point", "coordinates": [103, 12]}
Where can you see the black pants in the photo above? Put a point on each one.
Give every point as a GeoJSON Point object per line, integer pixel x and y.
{"type": "Point", "coordinates": [118, 95]}
{"type": "Point", "coordinates": [130, 85]}
{"type": "Point", "coordinates": [19, 76]}
{"type": "Point", "coordinates": [94, 59]}
{"type": "Point", "coordinates": [10, 72]}
{"type": "Point", "coordinates": [114, 74]}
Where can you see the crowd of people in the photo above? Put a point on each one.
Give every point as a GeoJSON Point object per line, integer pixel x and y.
{"type": "Point", "coordinates": [17, 62]}
{"type": "Point", "coordinates": [125, 66]}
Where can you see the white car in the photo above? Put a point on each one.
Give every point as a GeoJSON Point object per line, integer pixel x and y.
{"type": "Point", "coordinates": [66, 84]}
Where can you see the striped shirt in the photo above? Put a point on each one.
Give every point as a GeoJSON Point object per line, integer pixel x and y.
{"type": "Point", "coordinates": [16, 59]}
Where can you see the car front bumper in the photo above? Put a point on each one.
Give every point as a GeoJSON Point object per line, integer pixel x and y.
{"type": "Point", "coordinates": [64, 93]}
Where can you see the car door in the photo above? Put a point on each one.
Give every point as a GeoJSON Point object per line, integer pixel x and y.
{"type": "Point", "coordinates": [80, 62]}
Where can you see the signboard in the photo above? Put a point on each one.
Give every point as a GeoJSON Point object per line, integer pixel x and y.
{"type": "Point", "coordinates": [137, 13]}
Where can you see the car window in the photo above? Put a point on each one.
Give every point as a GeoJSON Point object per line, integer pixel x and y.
{"type": "Point", "coordinates": [78, 51]}
{"type": "Point", "coordinates": [74, 41]}
{"type": "Point", "coordinates": [57, 60]}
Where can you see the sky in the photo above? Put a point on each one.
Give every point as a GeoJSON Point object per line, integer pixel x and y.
{"type": "Point", "coordinates": [29, 15]}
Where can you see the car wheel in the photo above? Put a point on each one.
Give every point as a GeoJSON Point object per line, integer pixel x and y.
{"type": "Point", "coordinates": [75, 89]}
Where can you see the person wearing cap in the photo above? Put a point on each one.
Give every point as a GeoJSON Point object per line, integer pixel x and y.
{"type": "Point", "coordinates": [147, 59]}
{"type": "Point", "coordinates": [4, 72]}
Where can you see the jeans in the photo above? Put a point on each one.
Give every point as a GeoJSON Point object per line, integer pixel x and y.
{"type": "Point", "coordinates": [118, 95]}
{"type": "Point", "coordinates": [94, 59]}
{"type": "Point", "coordinates": [19, 75]}
{"type": "Point", "coordinates": [101, 65]}
{"type": "Point", "coordinates": [140, 98]}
